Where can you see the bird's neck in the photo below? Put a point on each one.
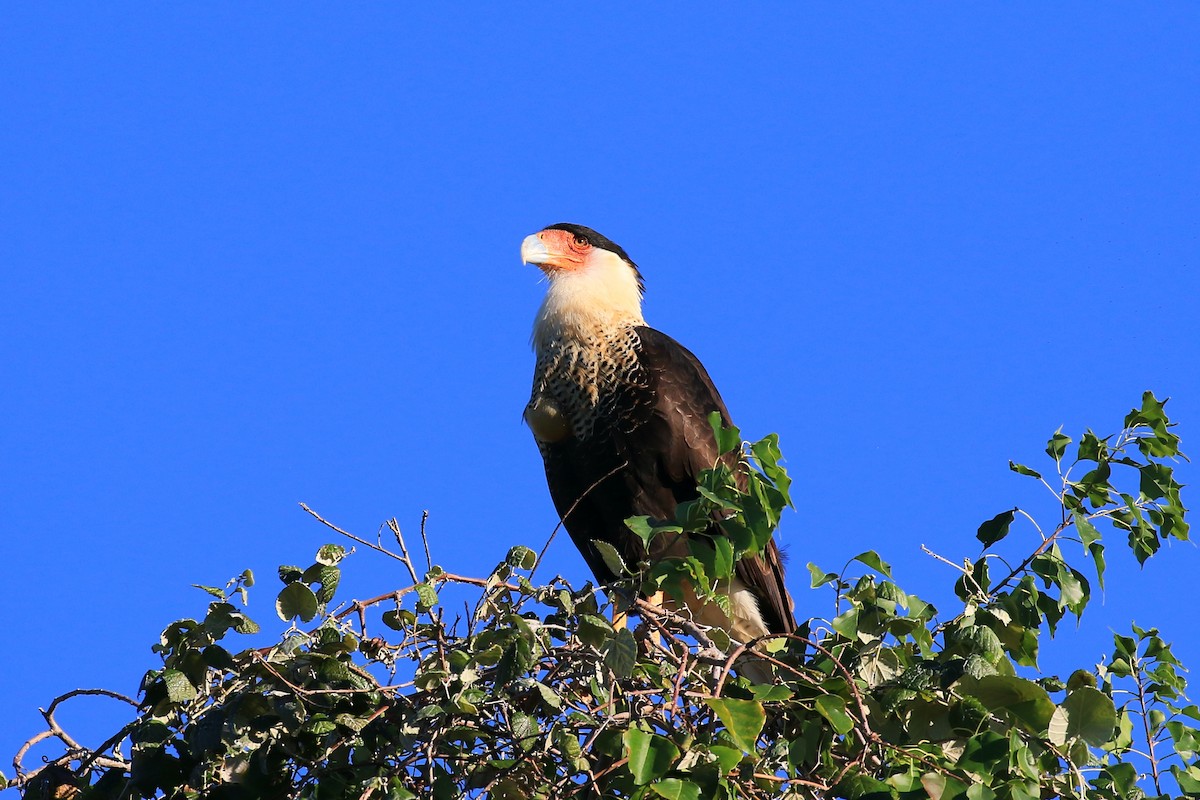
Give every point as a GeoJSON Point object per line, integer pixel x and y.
{"type": "Point", "coordinates": [587, 306]}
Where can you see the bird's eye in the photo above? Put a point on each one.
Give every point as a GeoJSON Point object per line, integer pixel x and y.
{"type": "Point", "coordinates": [581, 241]}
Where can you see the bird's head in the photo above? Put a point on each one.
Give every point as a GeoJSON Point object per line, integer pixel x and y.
{"type": "Point", "coordinates": [569, 248]}
{"type": "Point", "coordinates": [592, 279]}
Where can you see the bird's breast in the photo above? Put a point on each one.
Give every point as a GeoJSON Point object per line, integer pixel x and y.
{"type": "Point", "coordinates": [578, 382]}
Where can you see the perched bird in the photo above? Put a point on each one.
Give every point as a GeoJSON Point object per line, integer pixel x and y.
{"type": "Point", "coordinates": [620, 414]}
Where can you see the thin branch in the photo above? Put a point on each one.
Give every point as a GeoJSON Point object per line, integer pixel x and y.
{"type": "Point", "coordinates": [1136, 668]}
{"type": "Point", "coordinates": [406, 559]}
{"type": "Point", "coordinates": [394, 526]}
{"type": "Point", "coordinates": [348, 535]}
{"type": "Point", "coordinates": [97, 755]}
{"type": "Point", "coordinates": [425, 539]}
{"type": "Point", "coordinates": [75, 751]}
{"type": "Point", "coordinates": [1027, 516]}
{"type": "Point", "coordinates": [562, 520]}
{"type": "Point", "coordinates": [967, 572]}
{"type": "Point", "coordinates": [39, 737]}
{"type": "Point", "coordinates": [1017, 570]}
{"type": "Point", "coordinates": [90, 692]}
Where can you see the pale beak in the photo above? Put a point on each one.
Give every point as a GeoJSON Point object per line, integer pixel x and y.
{"type": "Point", "coordinates": [534, 250]}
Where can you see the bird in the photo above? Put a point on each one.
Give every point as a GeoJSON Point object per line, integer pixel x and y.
{"type": "Point", "coordinates": [620, 413]}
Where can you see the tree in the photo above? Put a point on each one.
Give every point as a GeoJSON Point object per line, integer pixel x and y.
{"type": "Point", "coordinates": [533, 693]}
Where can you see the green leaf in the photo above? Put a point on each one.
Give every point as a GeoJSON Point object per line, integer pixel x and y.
{"type": "Point", "coordinates": [319, 726]}
{"type": "Point", "coordinates": [643, 528]}
{"type": "Point", "coordinates": [489, 656]}
{"type": "Point", "coordinates": [767, 452]}
{"type": "Point", "coordinates": [398, 619]}
{"type": "Point", "coordinates": [872, 560]}
{"type": "Point", "coordinates": [715, 553]}
{"type": "Point", "coordinates": [846, 623]}
{"type": "Point", "coordinates": [525, 730]}
{"type": "Point", "coordinates": [1143, 539]}
{"type": "Point", "coordinates": [986, 753]}
{"type": "Point", "coordinates": [620, 653]}
{"type": "Point", "coordinates": [833, 708]}
{"type": "Point", "coordinates": [983, 641]}
{"type": "Point", "coordinates": [1057, 445]}
{"type": "Point", "coordinates": [549, 696]}
{"type": "Point", "coordinates": [1091, 715]}
{"type": "Point", "coordinates": [351, 721]}
{"type": "Point", "coordinates": [296, 600]}
{"type": "Point", "coordinates": [905, 781]}
{"type": "Point", "coordinates": [743, 719]}
{"type": "Point", "coordinates": [521, 557]}
{"type": "Point", "coordinates": [1161, 443]}
{"type": "Point", "coordinates": [1156, 480]}
{"type": "Point", "coordinates": [327, 576]}
{"type": "Point", "coordinates": [934, 784]}
{"type": "Point", "coordinates": [1024, 790]}
{"type": "Point", "coordinates": [728, 439]}
{"type": "Point", "coordinates": [1025, 700]}
{"type": "Point", "coordinates": [1021, 469]}
{"type": "Point", "coordinates": [650, 755]}
{"type": "Point", "coordinates": [214, 591]}
{"type": "Point", "coordinates": [397, 791]}
{"type": "Point", "coordinates": [289, 573]}
{"type": "Point", "coordinates": [427, 596]}
{"type": "Point", "coordinates": [1097, 551]}
{"type": "Point", "coordinates": [612, 559]}
{"type": "Point", "coordinates": [594, 630]}
{"type": "Point", "coordinates": [516, 659]}
{"type": "Point", "coordinates": [331, 554]}
{"type": "Point", "coordinates": [860, 786]}
{"type": "Point", "coordinates": [819, 576]}
{"type": "Point", "coordinates": [179, 688]}
{"type": "Point", "coordinates": [727, 757]}
{"type": "Point", "coordinates": [995, 528]}
{"type": "Point", "coordinates": [1058, 729]}
{"type": "Point", "coordinates": [1185, 738]}
{"type": "Point", "coordinates": [771, 694]}
{"type": "Point", "coordinates": [676, 789]}
{"type": "Point", "coordinates": [1188, 779]}
{"type": "Point", "coordinates": [1087, 531]}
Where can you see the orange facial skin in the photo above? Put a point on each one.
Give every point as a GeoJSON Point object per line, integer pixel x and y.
{"type": "Point", "coordinates": [567, 252]}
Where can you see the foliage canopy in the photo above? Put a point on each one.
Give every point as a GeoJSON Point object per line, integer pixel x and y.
{"type": "Point", "coordinates": [532, 693]}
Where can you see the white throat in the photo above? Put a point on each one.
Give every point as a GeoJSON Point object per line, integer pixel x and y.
{"type": "Point", "coordinates": [582, 303]}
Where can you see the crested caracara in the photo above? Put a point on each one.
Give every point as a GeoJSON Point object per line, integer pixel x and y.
{"type": "Point", "coordinates": [620, 414]}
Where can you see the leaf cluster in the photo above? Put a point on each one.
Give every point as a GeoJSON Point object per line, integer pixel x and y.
{"type": "Point", "coordinates": [531, 692]}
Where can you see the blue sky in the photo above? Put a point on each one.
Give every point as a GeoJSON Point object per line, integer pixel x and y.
{"type": "Point", "coordinates": [254, 258]}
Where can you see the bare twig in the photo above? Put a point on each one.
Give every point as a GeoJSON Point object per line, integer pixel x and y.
{"type": "Point", "coordinates": [1140, 682]}
{"type": "Point", "coordinates": [425, 539]}
{"type": "Point", "coordinates": [964, 569]}
{"type": "Point", "coordinates": [39, 737]}
{"type": "Point", "coordinates": [562, 520]}
{"type": "Point", "coordinates": [75, 751]}
{"type": "Point", "coordinates": [406, 558]}
{"type": "Point", "coordinates": [1029, 517]}
{"type": "Point", "coordinates": [348, 535]}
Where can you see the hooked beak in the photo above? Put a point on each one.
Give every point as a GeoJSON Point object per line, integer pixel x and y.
{"type": "Point", "coordinates": [534, 250]}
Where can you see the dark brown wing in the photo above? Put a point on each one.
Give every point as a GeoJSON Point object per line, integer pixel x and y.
{"type": "Point", "coordinates": [674, 443]}
{"type": "Point", "coordinates": [643, 458]}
